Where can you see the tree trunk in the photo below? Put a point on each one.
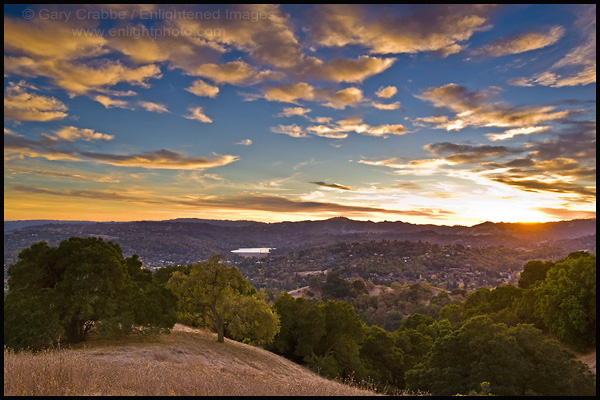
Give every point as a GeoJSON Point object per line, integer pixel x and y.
{"type": "Point", "coordinates": [217, 318]}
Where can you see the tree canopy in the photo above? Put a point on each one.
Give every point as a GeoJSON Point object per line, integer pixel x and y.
{"type": "Point", "coordinates": [214, 293]}
{"type": "Point", "coordinates": [60, 293]}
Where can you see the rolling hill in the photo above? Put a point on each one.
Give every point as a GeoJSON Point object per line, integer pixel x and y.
{"type": "Point", "coordinates": [188, 362]}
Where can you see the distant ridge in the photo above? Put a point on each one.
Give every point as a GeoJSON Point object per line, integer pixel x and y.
{"type": "Point", "coordinates": [187, 240]}
{"type": "Point", "coordinates": [18, 224]}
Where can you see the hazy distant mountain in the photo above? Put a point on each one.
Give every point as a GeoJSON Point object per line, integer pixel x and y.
{"type": "Point", "coordinates": [12, 225]}
{"type": "Point", "coordinates": [189, 240]}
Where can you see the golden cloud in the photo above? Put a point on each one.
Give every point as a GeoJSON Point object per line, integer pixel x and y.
{"type": "Point", "coordinates": [290, 130]}
{"type": "Point", "coordinates": [428, 28]}
{"type": "Point", "coordinates": [23, 106]}
{"type": "Point", "coordinates": [53, 49]}
{"type": "Point", "coordinates": [294, 111]}
{"type": "Point", "coordinates": [348, 70]}
{"type": "Point", "coordinates": [342, 128]}
{"type": "Point", "coordinates": [290, 92]}
{"type": "Point", "coordinates": [203, 89]}
{"type": "Point", "coordinates": [235, 73]}
{"type": "Point", "coordinates": [197, 113]}
{"type": "Point", "coordinates": [521, 43]}
{"type": "Point", "coordinates": [108, 102]}
{"type": "Point", "coordinates": [162, 159]}
{"type": "Point", "coordinates": [578, 66]}
{"type": "Point", "coordinates": [153, 107]}
{"type": "Point", "coordinates": [386, 92]}
{"type": "Point", "coordinates": [71, 133]}
{"type": "Point", "coordinates": [381, 106]}
{"type": "Point", "coordinates": [349, 97]}
{"type": "Point", "coordinates": [472, 109]}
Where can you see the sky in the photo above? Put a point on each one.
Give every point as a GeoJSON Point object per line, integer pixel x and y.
{"type": "Point", "coordinates": [443, 114]}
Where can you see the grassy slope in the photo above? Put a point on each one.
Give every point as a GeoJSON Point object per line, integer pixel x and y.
{"type": "Point", "coordinates": [188, 362]}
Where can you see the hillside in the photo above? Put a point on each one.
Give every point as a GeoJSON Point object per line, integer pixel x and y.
{"type": "Point", "coordinates": [188, 362]}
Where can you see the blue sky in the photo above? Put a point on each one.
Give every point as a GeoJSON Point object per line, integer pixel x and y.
{"type": "Point", "coordinates": [453, 114]}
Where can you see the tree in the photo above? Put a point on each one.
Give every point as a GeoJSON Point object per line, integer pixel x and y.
{"type": "Point", "coordinates": [534, 272]}
{"type": "Point", "coordinates": [384, 362]}
{"type": "Point", "coordinates": [216, 294]}
{"type": "Point", "coordinates": [302, 327]}
{"type": "Point", "coordinates": [566, 299]}
{"type": "Point", "coordinates": [250, 319]}
{"type": "Point", "coordinates": [63, 292]}
{"type": "Point", "coordinates": [514, 360]}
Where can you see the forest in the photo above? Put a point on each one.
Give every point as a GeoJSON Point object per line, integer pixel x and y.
{"type": "Point", "coordinates": [506, 340]}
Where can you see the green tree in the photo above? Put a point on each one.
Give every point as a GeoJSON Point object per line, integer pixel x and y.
{"type": "Point", "coordinates": [250, 319]}
{"type": "Point", "coordinates": [566, 299]}
{"type": "Point", "coordinates": [214, 293]}
{"type": "Point", "coordinates": [81, 283]}
{"type": "Point", "coordinates": [30, 322]}
{"type": "Point", "coordinates": [302, 327]}
{"type": "Point", "coordinates": [384, 362]}
{"type": "Point", "coordinates": [534, 272]}
{"type": "Point", "coordinates": [452, 313]}
{"type": "Point", "coordinates": [343, 333]}
{"type": "Point", "coordinates": [514, 360]}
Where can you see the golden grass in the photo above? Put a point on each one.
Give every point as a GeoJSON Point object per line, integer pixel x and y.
{"type": "Point", "coordinates": [188, 362]}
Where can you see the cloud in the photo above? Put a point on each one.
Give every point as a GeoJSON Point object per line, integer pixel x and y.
{"type": "Point", "coordinates": [49, 148]}
{"type": "Point", "coordinates": [521, 43]}
{"type": "Point", "coordinates": [23, 106]}
{"type": "Point", "coordinates": [16, 145]}
{"type": "Point", "coordinates": [197, 113]}
{"type": "Point", "coordinates": [391, 106]}
{"type": "Point", "coordinates": [341, 128]}
{"type": "Point", "coordinates": [68, 175]}
{"type": "Point", "coordinates": [466, 153]}
{"type": "Point", "coordinates": [244, 142]}
{"type": "Point", "coordinates": [243, 201]}
{"type": "Point", "coordinates": [333, 186]}
{"type": "Point", "coordinates": [328, 131]}
{"type": "Point", "coordinates": [235, 73]}
{"type": "Point", "coordinates": [290, 130]}
{"type": "Point", "coordinates": [390, 31]}
{"type": "Point", "coordinates": [294, 111]}
{"type": "Point", "coordinates": [103, 195]}
{"type": "Point", "coordinates": [302, 91]}
{"type": "Point", "coordinates": [386, 92]}
{"type": "Point", "coordinates": [269, 40]}
{"type": "Point", "coordinates": [153, 107]}
{"type": "Point", "coordinates": [71, 133]}
{"type": "Point", "coordinates": [566, 214]}
{"type": "Point", "coordinates": [53, 48]}
{"type": "Point", "coordinates": [78, 78]}
{"type": "Point", "coordinates": [203, 89]}
{"type": "Point", "coordinates": [107, 102]}
{"type": "Point", "coordinates": [162, 159]}
{"type": "Point", "coordinates": [347, 70]}
{"type": "Point", "coordinates": [474, 109]}
{"type": "Point", "coordinates": [578, 142]}
{"type": "Point", "coordinates": [554, 186]}
{"type": "Point", "coordinates": [509, 134]}
{"type": "Point", "coordinates": [43, 39]}
{"type": "Point", "coordinates": [349, 97]}
{"type": "Point", "coordinates": [578, 66]}
{"type": "Point", "coordinates": [290, 92]}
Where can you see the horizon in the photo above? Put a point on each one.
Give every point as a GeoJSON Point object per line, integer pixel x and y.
{"type": "Point", "coordinates": [284, 221]}
{"type": "Point", "coordinates": [424, 114]}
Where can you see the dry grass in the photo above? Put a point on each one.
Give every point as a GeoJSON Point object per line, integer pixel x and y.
{"type": "Point", "coordinates": [188, 362]}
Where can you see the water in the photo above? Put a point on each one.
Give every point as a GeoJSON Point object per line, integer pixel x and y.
{"type": "Point", "coordinates": [260, 250]}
